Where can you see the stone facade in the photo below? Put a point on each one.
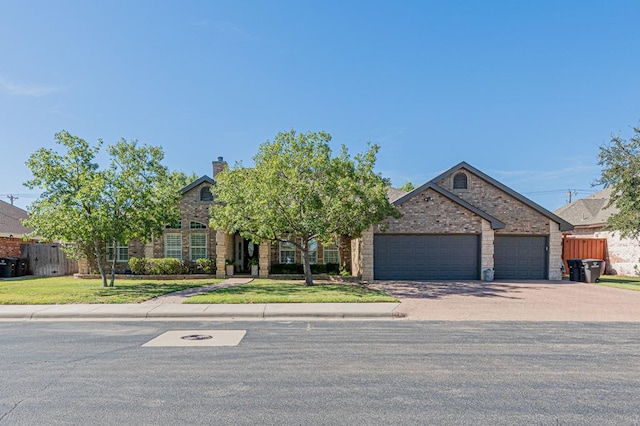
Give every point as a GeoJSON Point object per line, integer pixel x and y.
{"type": "Point", "coordinates": [195, 215]}
{"type": "Point", "coordinates": [623, 254]}
{"type": "Point", "coordinates": [431, 213]}
{"type": "Point", "coordinates": [519, 218]}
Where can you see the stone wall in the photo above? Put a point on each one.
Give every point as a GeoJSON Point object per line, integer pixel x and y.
{"type": "Point", "coordinates": [193, 210]}
{"type": "Point", "coordinates": [555, 251]}
{"type": "Point", "coordinates": [519, 218]}
{"type": "Point", "coordinates": [431, 213]}
{"type": "Point", "coordinates": [623, 254]}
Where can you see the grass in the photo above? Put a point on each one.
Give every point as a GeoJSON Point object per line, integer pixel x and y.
{"type": "Point", "coordinates": [629, 283]}
{"type": "Point", "coordinates": [63, 290]}
{"type": "Point", "coordinates": [271, 291]}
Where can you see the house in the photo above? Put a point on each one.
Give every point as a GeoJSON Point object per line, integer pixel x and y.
{"type": "Point", "coordinates": [454, 227]}
{"type": "Point", "coordinates": [589, 217]}
{"type": "Point", "coordinates": [191, 238]}
{"type": "Point", "coordinates": [459, 225]}
{"type": "Point", "coordinates": [11, 229]}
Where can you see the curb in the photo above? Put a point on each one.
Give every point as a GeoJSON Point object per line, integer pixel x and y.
{"type": "Point", "coordinates": [200, 312]}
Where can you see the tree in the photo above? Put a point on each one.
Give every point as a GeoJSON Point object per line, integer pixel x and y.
{"type": "Point", "coordinates": [298, 192]}
{"type": "Point", "coordinates": [407, 187]}
{"type": "Point", "coordinates": [620, 160]}
{"type": "Point", "coordinates": [135, 197]}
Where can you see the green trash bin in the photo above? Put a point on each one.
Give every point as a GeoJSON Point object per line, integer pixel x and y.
{"type": "Point", "coordinates": [592, 269]}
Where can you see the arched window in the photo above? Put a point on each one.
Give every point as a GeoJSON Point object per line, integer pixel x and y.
{"type": "Point", "coordinates": [205, 194]}
{"type": "Point", "coordinates": [197, 225]}
{"type": "Point", "coordinates": [460, 181]}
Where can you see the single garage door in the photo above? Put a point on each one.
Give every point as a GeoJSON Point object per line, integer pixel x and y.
{"type": "Point", "coordinates": [426, 257]}
{"type": "Point", "coordinates": [520, 257]}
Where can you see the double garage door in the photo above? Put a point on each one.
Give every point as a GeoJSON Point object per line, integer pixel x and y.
{"type": "Point", "coordinates": [456, 257]}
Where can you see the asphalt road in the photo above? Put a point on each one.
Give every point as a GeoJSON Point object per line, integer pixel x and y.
{"type": "Point", "coordinates": [322, 373]}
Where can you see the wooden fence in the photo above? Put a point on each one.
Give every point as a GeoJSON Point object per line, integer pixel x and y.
{"type": "Point", "coordinates": [583, 248]}
{"type": "Point", "coordinates": [48, 260]}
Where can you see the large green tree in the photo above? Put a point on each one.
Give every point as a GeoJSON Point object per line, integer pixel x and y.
{"type": "Point", "coordinates": [299, 192]}
{"type": "Point", "coordinates": [134, 197]}
{"type": "Point", "coordinates": [620, 161]}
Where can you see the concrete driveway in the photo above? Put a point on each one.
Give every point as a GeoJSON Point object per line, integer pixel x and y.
{"type": "Point", "coordinates": [512, 301]}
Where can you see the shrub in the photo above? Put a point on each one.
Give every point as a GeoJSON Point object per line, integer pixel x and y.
{"type": "Point", "coordinates": [138, 265]}
{"type": "Point", "coordinates": [164, 266]}
{"type": "Point", "coordinates": [208, 266]}
{"type": "Point", "coordinates": [296, 268]}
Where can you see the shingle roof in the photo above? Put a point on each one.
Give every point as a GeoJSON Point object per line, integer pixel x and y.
{"type": "Point", "coordinates": [394, 193]}
{"type": "Point", "coordinates": [197, 182]}
{"type": "Point", "coordinates": [10, 217]}
{"type": "Point", "coordinates": [589, 211]}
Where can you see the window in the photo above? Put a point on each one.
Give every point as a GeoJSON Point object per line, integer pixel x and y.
{"type": "Point", "coordinates": [173, 245]}
{"type": "Point", "coordinates": [176, 225]}
{"type": "Point", "coordinates": [197, 225]}
{"type": "Point", "coordinates": [331, 254]}
{"type": "Point", "coordinates": [205, 194]}
{"type": "Point", "coordinates": [287, 252]}
{"type": "Point", "coordinates": [313, 252]}
{"type": "Point", "coordinates": [198, 246]}
{"type": "Point", "coordinates": [122, 252]}
{"type": "Point", "coordinates": [460, 181]}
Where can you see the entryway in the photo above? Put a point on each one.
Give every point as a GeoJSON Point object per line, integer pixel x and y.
{"type": "Point", "coordinates": [246, 252]}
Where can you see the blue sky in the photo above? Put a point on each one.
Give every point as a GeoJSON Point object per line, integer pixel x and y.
{"type": "Point", "coordinates": [525, 91]}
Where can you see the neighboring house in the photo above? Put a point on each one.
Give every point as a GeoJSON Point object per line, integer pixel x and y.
{"type": "Point", "coordinates": [11, 229]}
{"type": "Point", "coordinates": [589, 217]}
{"type": "Point", "coordinates": [459, 225]}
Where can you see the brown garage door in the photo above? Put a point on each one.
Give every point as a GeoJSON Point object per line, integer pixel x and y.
{"type": "Point", "coordinates": [426, 257]}
{"type": "Point", "coordinates": [520, 257]}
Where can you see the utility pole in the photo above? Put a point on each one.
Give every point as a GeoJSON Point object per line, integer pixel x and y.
{"type": "Point", "coordinates": [12, 197]}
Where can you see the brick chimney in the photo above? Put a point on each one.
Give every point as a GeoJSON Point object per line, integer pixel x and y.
{"type": "Point", "coordinates": [218, 166]}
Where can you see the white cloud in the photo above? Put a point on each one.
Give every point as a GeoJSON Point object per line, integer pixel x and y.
{"type": "Point", "coordinates": [26, 89]}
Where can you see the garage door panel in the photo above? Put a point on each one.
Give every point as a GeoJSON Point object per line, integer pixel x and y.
{"type": "Point", "coordinates": [520, 257]}
{"type": "Point", "coordinates": [426, 257]}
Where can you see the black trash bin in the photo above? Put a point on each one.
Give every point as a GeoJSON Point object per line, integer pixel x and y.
{"type": "Point", "coordinates": [576, 269]}
{"type": "Point", "coordinates": [7, 267]}
{"type": "Point", "coordinates": [22, 267]}
{"type": "Point", "coordinates": [591, 269]}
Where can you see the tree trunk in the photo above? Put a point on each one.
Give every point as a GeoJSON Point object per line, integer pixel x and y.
{"type": "Point", "coordinates": [96, 249]}
{"type": "Point", "coordinates": [114, 256]}
{"type": "Point", "coordinates": [306, 266]}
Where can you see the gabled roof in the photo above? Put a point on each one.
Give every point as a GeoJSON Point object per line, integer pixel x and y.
{"type": "Point", "coordinates": [564, 225]}
{"type": "Point", "coordinates": [589, 211]}
{"type": "Point", "coordinates": [10, 221]}
{"type": "Point", "coordinates": [495, 223]}
{"type": "Point", "coordinates": [197, 182]}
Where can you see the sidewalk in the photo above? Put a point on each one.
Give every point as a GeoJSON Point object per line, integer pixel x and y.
{"type": "Point", "coordinates": [174, 311]}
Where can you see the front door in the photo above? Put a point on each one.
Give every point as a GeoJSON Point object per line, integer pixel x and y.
{"type": "Point", "coordinates": [244, 251]}
{"type": "Point", "coordinates": [239, 248]}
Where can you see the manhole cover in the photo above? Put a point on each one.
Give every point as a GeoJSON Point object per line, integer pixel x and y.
{"type": "Point", "coordinates": [197, 337]}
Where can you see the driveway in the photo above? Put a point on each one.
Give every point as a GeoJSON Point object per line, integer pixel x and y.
{"type": "Point", "coordinates": [512, 301]}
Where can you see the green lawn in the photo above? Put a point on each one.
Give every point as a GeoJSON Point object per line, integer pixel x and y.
{"type": "Point", "coordinates": [629, 283]}
{"type": "Point", "coordinates": [61, 290]}
{"type": "Point", "coordinates": [272, 291]}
